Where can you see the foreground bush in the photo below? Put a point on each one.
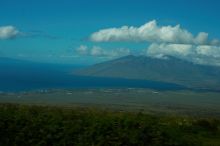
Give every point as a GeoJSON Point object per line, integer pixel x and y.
{"type": "Point", "coordinates": [50, 126]}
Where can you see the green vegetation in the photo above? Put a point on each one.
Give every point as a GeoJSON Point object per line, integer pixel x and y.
{"type": "Point", "coordinates": [49, 125]}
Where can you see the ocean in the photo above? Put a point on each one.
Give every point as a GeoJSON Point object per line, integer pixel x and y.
{"type": "Point", "coordinates": [23, 76]}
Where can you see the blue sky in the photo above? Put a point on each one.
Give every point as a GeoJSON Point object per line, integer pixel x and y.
{"type": "Point", "coordinates": [55, 31]}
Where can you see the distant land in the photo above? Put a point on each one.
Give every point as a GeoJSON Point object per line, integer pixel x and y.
{"type": "Point", "coordinates": [171, 70]}
{"type": "Point", "coordinates": [170, 102]}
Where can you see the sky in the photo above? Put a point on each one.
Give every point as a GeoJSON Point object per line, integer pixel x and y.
{"type": "Point", "coordinates": [87, 32]}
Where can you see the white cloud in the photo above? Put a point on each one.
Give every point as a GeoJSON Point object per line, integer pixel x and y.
{"type": "Point", "coordinates": [201, 38]}
{"type": "Point", "coordinates": [169, 49]}
{"type": "Point", "coordinates": [97, 51]}
{"type": "Point", "coordinates": [199, 54]}
{"type": "Point", "coordinates": [151, 32]}
{"type": "Point", "coordinates": [82, 50]}
{"type": "Point", "coordinates": [215, 42]}
{"type": "Point", "coordinates": [8, 32]}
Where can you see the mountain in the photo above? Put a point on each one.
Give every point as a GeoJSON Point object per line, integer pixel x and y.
{"type": "Point", "coordinates": [170, 70]}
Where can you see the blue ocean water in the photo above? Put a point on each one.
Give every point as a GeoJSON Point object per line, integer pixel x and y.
{"type": "Point", "coordinates": [22, 76]}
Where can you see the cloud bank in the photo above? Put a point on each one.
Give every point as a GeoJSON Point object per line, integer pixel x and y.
{"type": "Point", "coordinates": [97, 51]}
{"type": "Point", "coordinates": [8, 32]}
{"type": "Point", "coordinates": [151, 32]}
{"type": "Point", "coordinates": [199, 54]}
